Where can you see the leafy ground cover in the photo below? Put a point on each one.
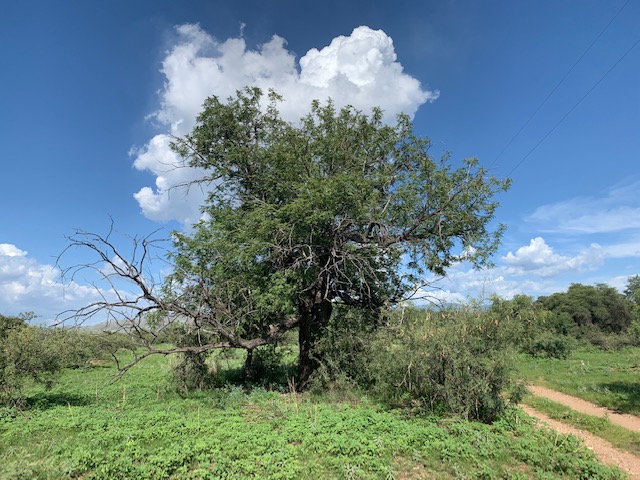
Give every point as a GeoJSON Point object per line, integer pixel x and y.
{"type": "Point", "coordinates": [608, 378]}
{"type": "Point", "coordinates": [140, 428]}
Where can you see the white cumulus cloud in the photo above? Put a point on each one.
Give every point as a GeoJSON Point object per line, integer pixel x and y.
{"type": "Point", "coordinates": [541, 260]}
{"type": "Point", "coordinates": [26, 285]}
{"type": "Point", "coordinates": [464, 283]}
{"type": "Point", "coordinates": [167, 201]}
{"type": "Point", "coordinates": [360, 69]}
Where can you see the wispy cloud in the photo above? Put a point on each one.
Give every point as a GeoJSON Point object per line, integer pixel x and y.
{"type": "Point", "coordinates": [464, 283]}
{"type": "Point", "coordinates": [616, 210]}
{"type": "Point", "coordinates": [360, 69]}
{"type": "Point", "coordinates": [625, 249]}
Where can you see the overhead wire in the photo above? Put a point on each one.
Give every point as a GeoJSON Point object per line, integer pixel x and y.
{"type": "Point", "coordinates": [553, 90]}
{"type": "Point", "coordinates": [574, 107]}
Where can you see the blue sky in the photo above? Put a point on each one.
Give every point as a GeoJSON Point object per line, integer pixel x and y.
{"type": "Point", "coordinates": [91, 90]}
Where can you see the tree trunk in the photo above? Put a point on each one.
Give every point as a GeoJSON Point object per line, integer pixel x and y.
{"type": "Point", "coordinates": [249, 371]}
{"type": "Point", "coordinates": [314, 317]}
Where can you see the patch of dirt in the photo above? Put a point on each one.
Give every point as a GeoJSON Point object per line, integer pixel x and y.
{"type": "Point", "coordinates": [608, 454]}
{"type": "Point", "coordinates": [630, 422]}
{"type": "Point", "coordinates": [603, 449]}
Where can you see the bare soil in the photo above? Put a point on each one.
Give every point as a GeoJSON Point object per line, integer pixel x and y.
{"type": "Point", "coordinates": [608, 454]}
{"type": "Point", "coordinates": [630, 422]}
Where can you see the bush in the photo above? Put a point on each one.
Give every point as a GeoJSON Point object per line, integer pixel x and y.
{"type": "Point", "coordinates": [28, 351]}
{"type": "Point", "coordinates": [76, 348]}
{"type": "Point", "coordinates": [266, 365]}
{"type": "Point", "coordinates": [455, 361]}
{"type": "Point", "coordinates": [535, 330]}
{"type": "Point", "coordinates": [634, 332]}
{"type": "Point", "coordinates": [191, 372]}
{"type": "Point", "coordinates": [592, 335]}
{"type": "Point", "coordinates": [549, 344]}
{"type": "Point", "coordinates": [345, 351]}
{"type": "Point", "coordinates": [25, 351]}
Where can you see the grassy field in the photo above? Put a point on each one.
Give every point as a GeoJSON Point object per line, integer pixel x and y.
{"type": "Point", "coordinates": [141, 428]}
{"type": "Point", "coordinates": [608, 378]}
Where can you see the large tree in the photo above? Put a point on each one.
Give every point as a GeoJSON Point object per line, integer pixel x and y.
{"type": "Point", "coordinates": [338, 208]}
{"type": "Point", "coordinates": [592, 305]}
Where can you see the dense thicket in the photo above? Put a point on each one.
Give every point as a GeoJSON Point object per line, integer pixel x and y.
{"type": "Point", "coordinates": [587, 305]}
{"type": "Point", "coordinates": [451, 360]}
{"type": "Point", "coordinates": [552, 326]}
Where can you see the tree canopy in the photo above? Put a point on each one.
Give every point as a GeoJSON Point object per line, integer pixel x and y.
{"type": "Point", "coordinates": [632, 289]}
{"type": "Point", "coordinates": [600, 305]}
{"type": "Point", "coordinates": [337, 209]}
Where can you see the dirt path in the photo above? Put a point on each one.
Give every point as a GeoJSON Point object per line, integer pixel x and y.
{"type": "Point", "coordinates": [630, 422]}
{"type": "Point", "coordinates": [604, 450]}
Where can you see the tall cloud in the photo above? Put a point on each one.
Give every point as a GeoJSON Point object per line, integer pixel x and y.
{"type": "Point", "coordinates": [359, 70]}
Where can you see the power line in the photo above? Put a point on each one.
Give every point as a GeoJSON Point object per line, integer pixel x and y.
{"type": "Point", "coordinates": [574, 107]}
{"type": "Point", "coordinates": [559, 83]}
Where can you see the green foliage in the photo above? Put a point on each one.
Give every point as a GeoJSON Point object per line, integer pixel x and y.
{"type": "Point", "coordinates": [632, 289]}
{"type": "Point", "coordinates": [634, 332]}
{"type": "Point", "coordinates": [591, 335]}
{"type": "Point", "coordinates": [534, 329]}
{"type": "Point", "coordinates": [457, 360]}
{"type": "Point", "coordinates": [346, 350]}
{"type": "Point", "coordinates": [632, 293]}
{"type": "Point", "coordinates": [338, 209]}
{"type": "Point", "coordinates": [550, 344]}
{"type": "Point", "coordinates": [40, 353]}
{"type": "Point", "coordinates": [600, 305]}
{"type": "Point", "coordinates": [25, 352]}
{"type": "Point", "coordinates": [191, 372]}
{"type": "Point", "coordinates": [88, 427]}
{"type": "Point", "coordinates": [269, 367]}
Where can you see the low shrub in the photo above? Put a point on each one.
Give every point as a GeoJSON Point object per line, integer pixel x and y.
{"type": "Point", "coordinates": [345, 350]}
{"type": "Point", "coordinates": [550, 344]}
{"type": "Point", "coordinates": [267, 366]}
{"type": "Point", "coordinates": [591, 335]}
{"type": "Point", "coordinates": [454, 361]}
{"type": "Point", "coordinates": [191, 372]}
{"type": "Point", "coordinates": [40, 353]}
{"type": "Point", "coordinates": [25, 352]}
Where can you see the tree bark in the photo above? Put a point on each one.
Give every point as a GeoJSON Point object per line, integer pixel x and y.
{"type": "Point", "coordinates": [248, 365]}
{"type": "Point", "coordinates": [314, 317]}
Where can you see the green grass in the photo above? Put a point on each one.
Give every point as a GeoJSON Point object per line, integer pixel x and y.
{"type": "Point", "coordinates": [608, 378]}
{"type": "Point", "coordinates": [618, 436]}
{"type": "Point", "coordinates": [139, 428]}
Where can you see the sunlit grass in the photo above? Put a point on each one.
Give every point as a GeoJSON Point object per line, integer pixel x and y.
{"type": "Point", "coordinates": [140, 427]}
{"type": "Point", "coordinates": [608, 378]}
